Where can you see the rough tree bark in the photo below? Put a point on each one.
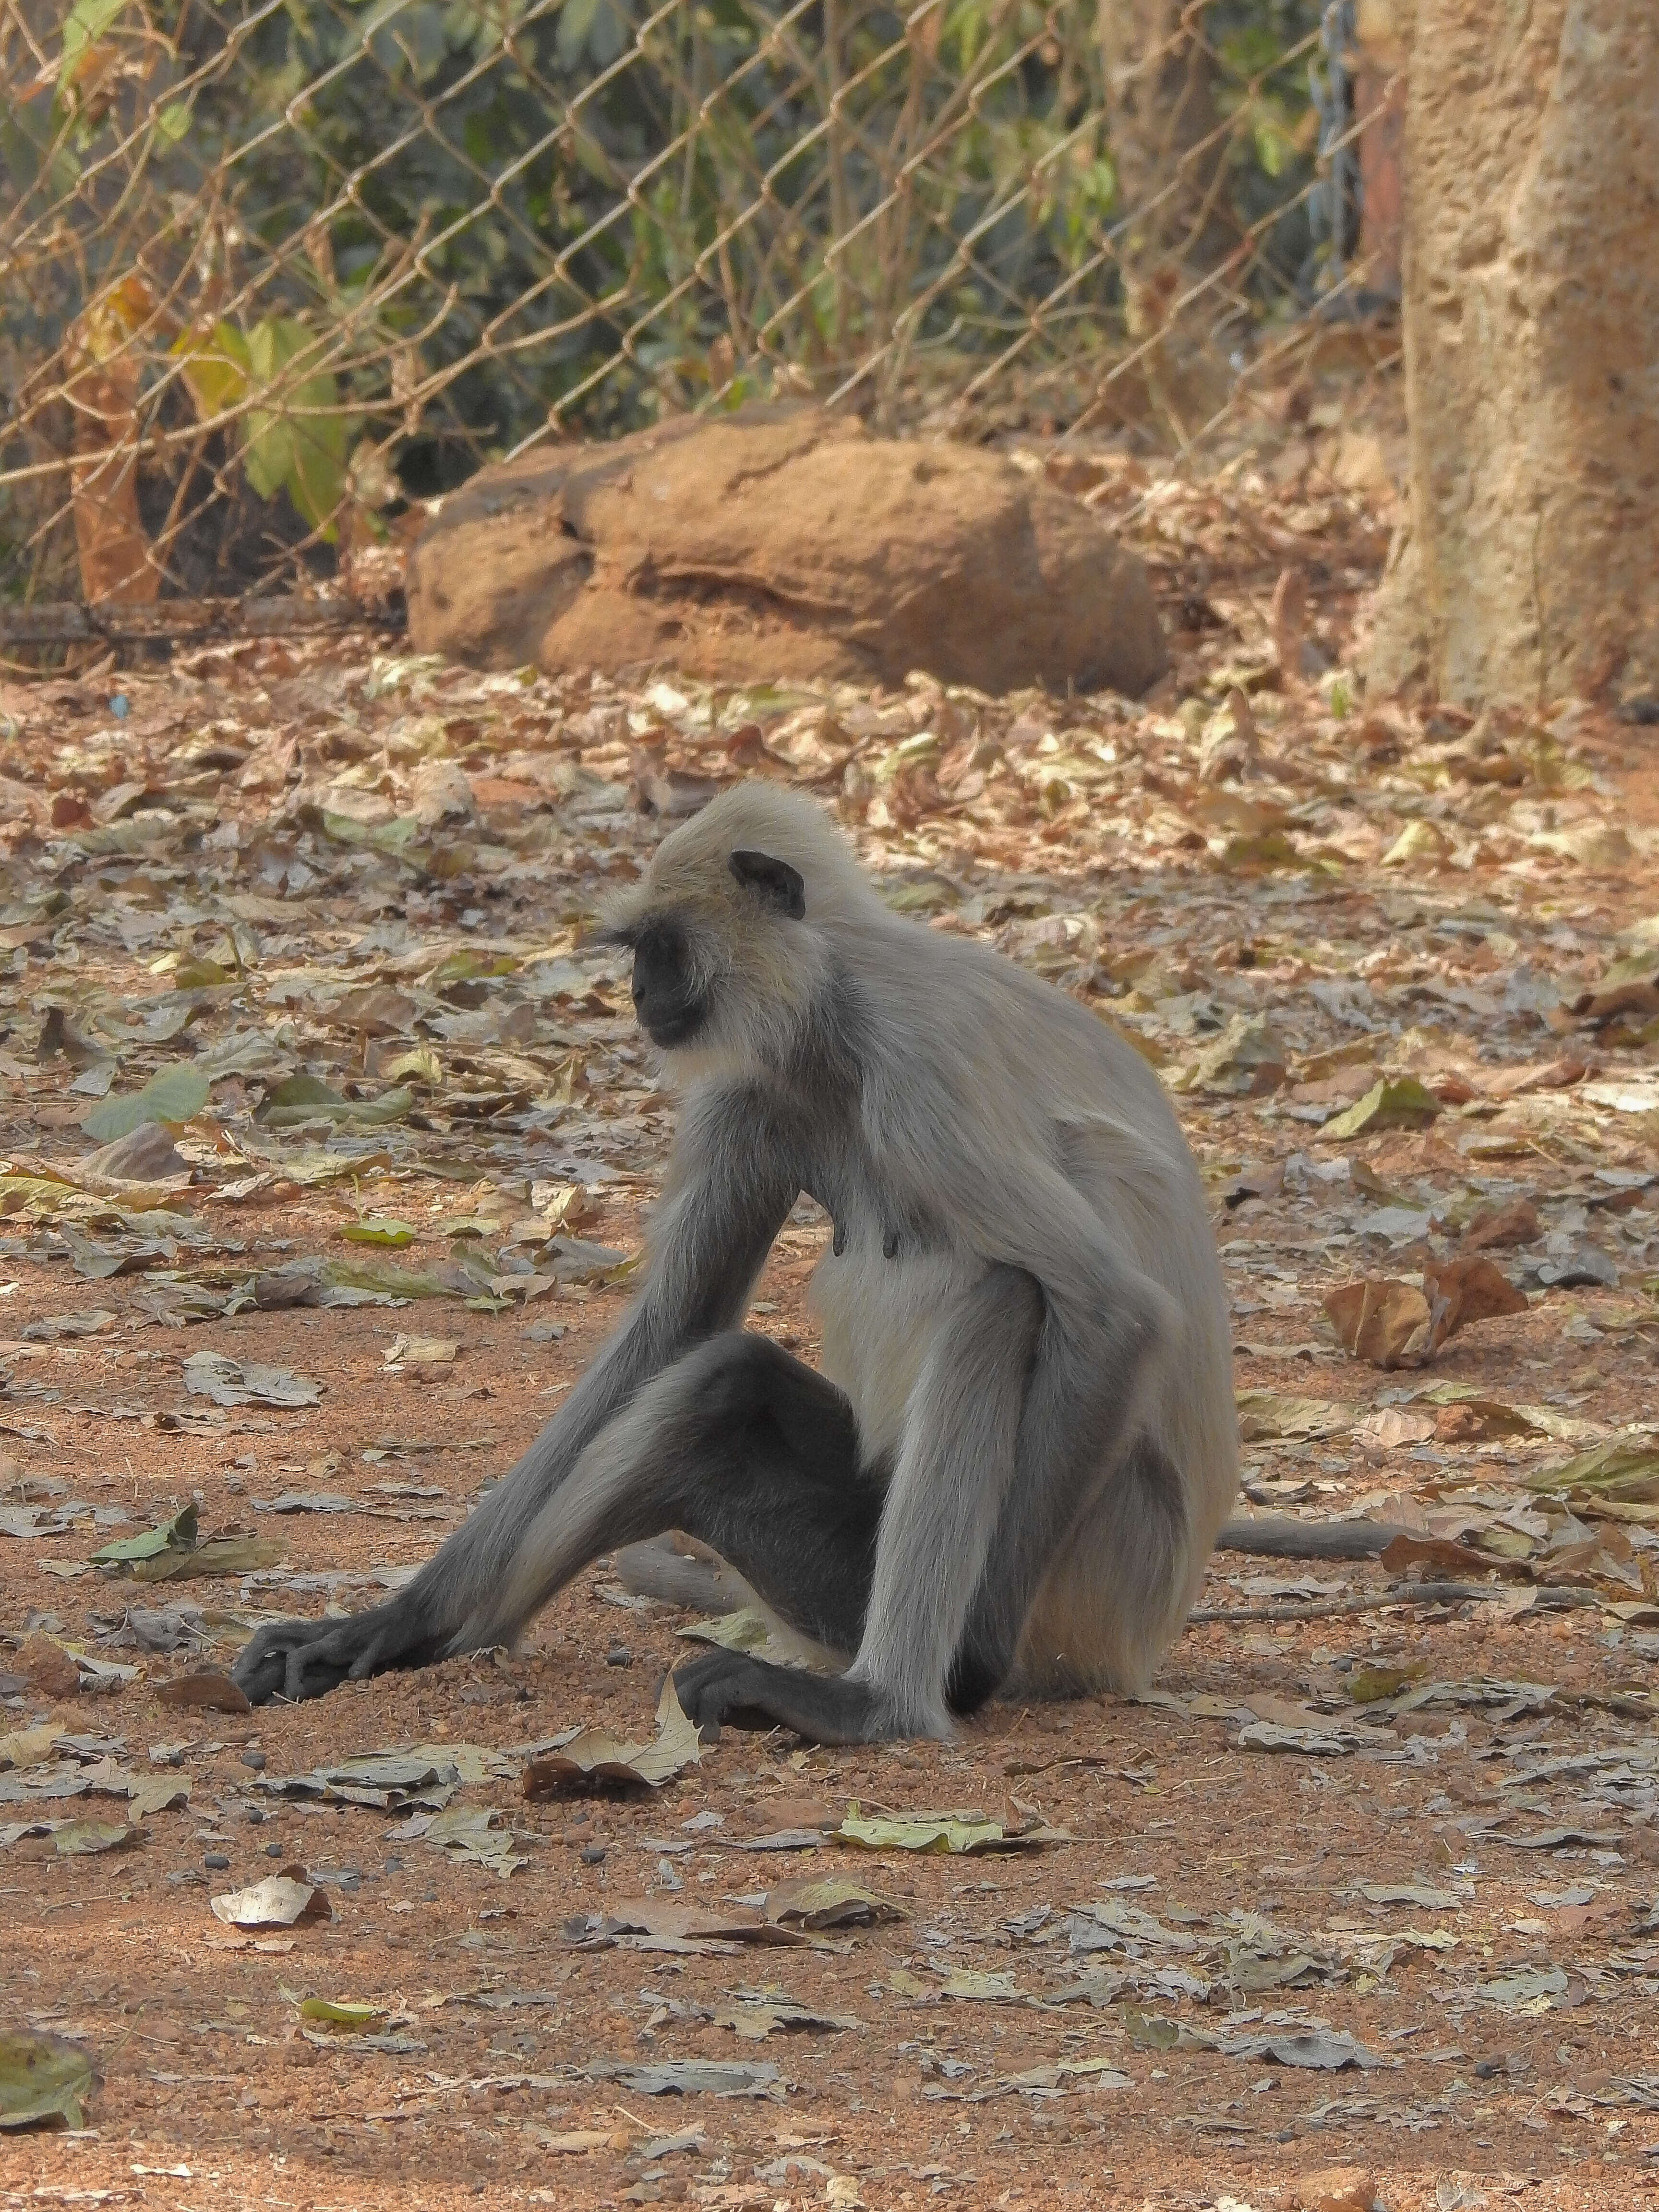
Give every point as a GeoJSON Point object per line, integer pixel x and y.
{"type": "Point", "coordinates": [1163, 128]}
{"type": "Point", "coordinates": [1379, 110]}
{"type": "Point", "coordinates": [1527, 568]}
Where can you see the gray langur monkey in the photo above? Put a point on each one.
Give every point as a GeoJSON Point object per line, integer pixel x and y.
{"type": "Point", "coordinates": [1012, 1469]}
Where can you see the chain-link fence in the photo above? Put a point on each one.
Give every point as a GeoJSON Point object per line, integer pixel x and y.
{"type": "Point", "coordinates": [272, 270]}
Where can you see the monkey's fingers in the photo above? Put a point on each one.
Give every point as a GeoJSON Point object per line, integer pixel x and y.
{"type": "Point", "coordinates": [297, 1659]}
{"type": "Point", "coordinates": [728, 1688]}
{"type": "Point", "coordinates": [701, 1688]}
{"type": "Point", "coordinates": [308, 1658]}
{"type": "Point", "coordinates": [261, 1666]}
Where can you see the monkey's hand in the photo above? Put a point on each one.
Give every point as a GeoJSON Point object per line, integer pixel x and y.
{"type": "Point", "coordinates": [727, 1687]}
{"type": "Point", "coordinates": [300, 1659]}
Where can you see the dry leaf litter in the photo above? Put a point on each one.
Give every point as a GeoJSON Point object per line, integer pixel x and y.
{"type": "Point", "coordinates": [328, 1142]}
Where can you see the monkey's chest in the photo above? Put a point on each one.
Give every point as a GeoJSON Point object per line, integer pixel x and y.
{"type": "Point", "coordinates": [878, 1317]}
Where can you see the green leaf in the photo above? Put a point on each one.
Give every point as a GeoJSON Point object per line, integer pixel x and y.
{"type": "Point", "coordinates": [216, 367]}
{"type": "Point", "coordinates": [575, 20]}
{"type": "Point", "coordinates": [463, 966]}
{"type": "Point", "coordinates": [942, 1833]}
{"type": "Point", "coordinates": [177, 1534]}
{"type": "Point", "coordinates": [742, 1631]}
{"type": "Point", "coordinates": [465, 1832]}
{"type": "Point", "coordinates": [303, 1099]}
{"type": "Point", "coordinates": [74, 1839]}
{"type": "Point", "coordinates": [302, 1091]}
{"type": "Point", "coordinates": [1369, 1686]}
{"type": "Point", "coordinates": [1273, 1415]}
{"type": "Point", "coordinates": [384, 1279]}
{"type": "Point", "coordinates": [1397, 1102]}
{"type": "Point", "coordinates": [222, 1555]}
{"type": "Point", "coordinates": [819, 1901]}
{"type": "Point", "coordinates": [1623, 1469]}
{"type": "Point", "coordinates": [395, 1234]}
{"type": "Point", "coordinates": [42, 2077]}
{"type": "Point", "coordinates": [267, 451]}
{"type": "Point", "coordinates": [293, 443]}
{"type": "Point", "coordinates": [193, 975]}
{"type": "Point", "coordinates": [174, 1094]}
{"type": "Point", "coordinates": [327, 2013]}
{"type": "Point", "coordinates": [975, 1985]}
{"type": "Point", "coordinates": [421, 1063]}
{"type": "Point", "coordinates": [384, 837]}
{"type": "Point", "coordinates": [36, 152]}
{"type": "Point", "coordinates": [88, 22]}
{"type": "Point", "coordinates": [1152, 2031]}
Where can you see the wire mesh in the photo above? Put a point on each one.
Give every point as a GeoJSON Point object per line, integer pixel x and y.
{"type": "Point", "coordinates": [270, 270]}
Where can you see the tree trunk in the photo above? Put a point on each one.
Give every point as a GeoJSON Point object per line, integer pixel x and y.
{"type": "Point", "coordinates": [1527, 568]}
{"type": "Point", "coordinates": [1379, 114]}
{"type": "Point", "coordinates": [1165, 134]}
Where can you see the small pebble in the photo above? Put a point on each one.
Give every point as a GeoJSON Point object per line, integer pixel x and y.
{"type": "Point", "coordinates": [619, 1655]}
{"type": "Point", "coordinates": [215, 1860]}
{"type": "Point", "coordinates": [118, 706]}
{"type": "Point", "coordinates": [275, 1850]}
{"type": "Point", "coordinates": [256, 1760]}
{"type": "Point", "coordinates": [254, 1813]}
{"type": "Point", "coordinates": [594, 1855]}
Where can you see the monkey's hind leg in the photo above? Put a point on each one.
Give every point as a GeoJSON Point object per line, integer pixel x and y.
{"type": "Point", "coordinates": [741, 1446]}
{"type": "Point", "coordinates": [1117, 1592]}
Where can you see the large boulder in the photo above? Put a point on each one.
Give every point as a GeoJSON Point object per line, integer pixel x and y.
{"type": "Point", "coordinates": [778, 543]}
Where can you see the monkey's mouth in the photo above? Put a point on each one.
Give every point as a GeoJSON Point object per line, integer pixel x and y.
{"type": "Point", "coordinates": [675, 1026]}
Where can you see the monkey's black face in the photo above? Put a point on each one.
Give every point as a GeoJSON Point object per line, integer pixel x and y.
{"type": "Point", "coordinates": [671, 1003]}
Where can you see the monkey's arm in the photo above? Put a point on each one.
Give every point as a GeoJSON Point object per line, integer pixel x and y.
{"type": "Point", "coordinates": [733, 1181]}
{"type": "Point", "coordinates": [1032, 1388]}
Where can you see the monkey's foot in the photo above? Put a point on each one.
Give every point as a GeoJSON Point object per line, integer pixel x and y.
{"type": "Point", "coordinates": [297, 1659]}
{"type": "Point", "coordinates": [727, 1688]}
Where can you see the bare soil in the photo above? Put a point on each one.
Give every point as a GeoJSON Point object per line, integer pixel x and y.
{"type": "Point", "coordinates": [1502, 2009]}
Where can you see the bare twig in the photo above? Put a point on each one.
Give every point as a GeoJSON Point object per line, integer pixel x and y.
{"type": "Point", "coordinates": [1324, 1609]}
{"type": "Point", "coordinates": [1276, 1537]}
{"type": "Point", "coordinates": [187, 619]}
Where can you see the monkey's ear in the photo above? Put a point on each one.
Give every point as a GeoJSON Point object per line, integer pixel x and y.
{"type": "Point", "coordinates": [778, 884]}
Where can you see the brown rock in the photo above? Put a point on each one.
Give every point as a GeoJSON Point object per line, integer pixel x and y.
{"type": "Point", "coordinates": [782, 543]}
{"type": "Point", "coordinates": [48, 1666]}
{"type": "Point", "coordinates": [1337, 2188]}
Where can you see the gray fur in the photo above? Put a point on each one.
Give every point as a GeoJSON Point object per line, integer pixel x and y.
{"type": "Point", "coordinates": [955, 1468]}
{"type": "Point", "coordinates": [1022, 1305]}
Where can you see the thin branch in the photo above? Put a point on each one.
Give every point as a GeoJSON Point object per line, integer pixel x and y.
{"type": "Point", "coordinates": [1325, 1609]}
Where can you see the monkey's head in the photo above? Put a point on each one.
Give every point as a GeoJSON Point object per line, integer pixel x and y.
{"type": "Point", "coordinates": [729, 929]}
